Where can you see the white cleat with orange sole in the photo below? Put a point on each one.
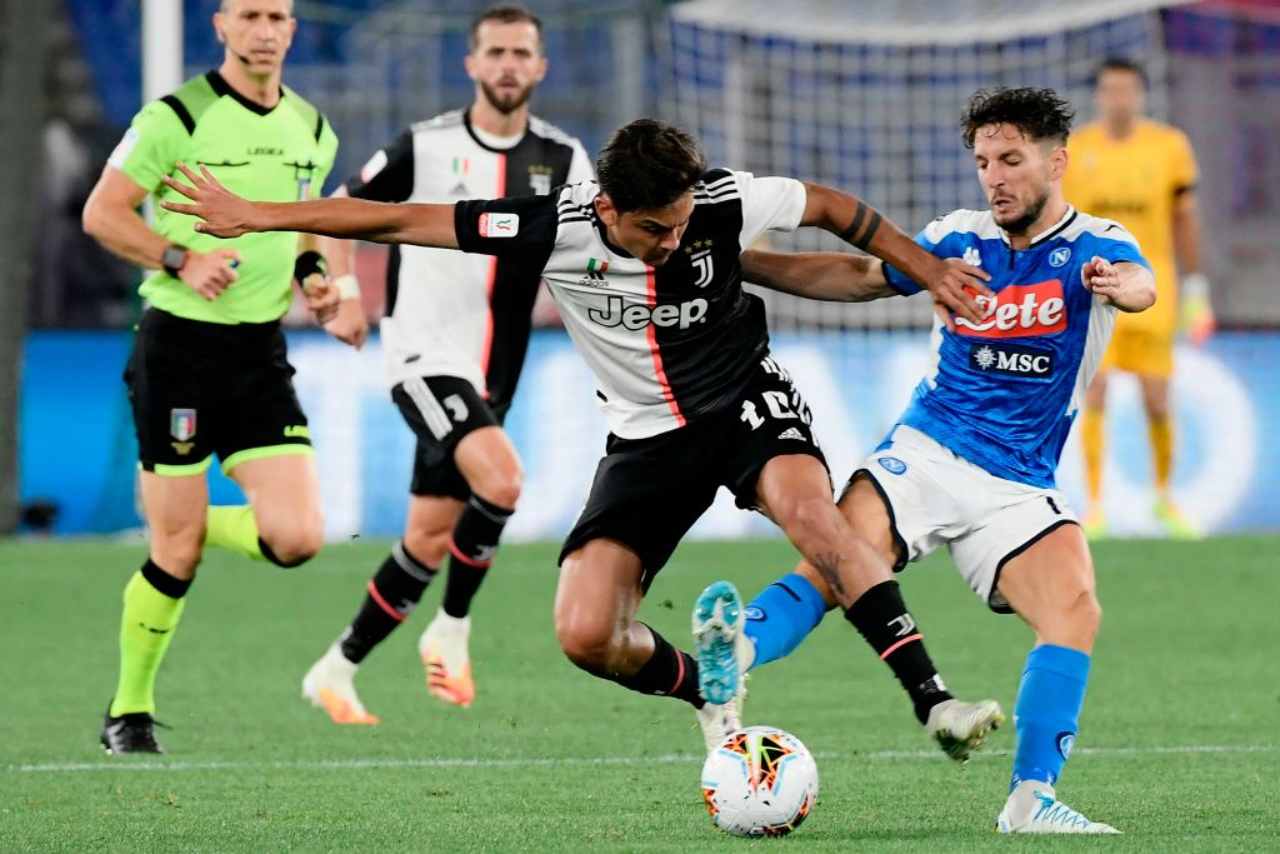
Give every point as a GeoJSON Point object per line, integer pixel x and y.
{"type": "Point", "coordinates": [330, 685]}
{"type": "Point", "coordinates": [443, 649]}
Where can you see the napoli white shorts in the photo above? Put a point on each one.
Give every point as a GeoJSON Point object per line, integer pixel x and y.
{"type": "Point", "coordinates": [936, 498]}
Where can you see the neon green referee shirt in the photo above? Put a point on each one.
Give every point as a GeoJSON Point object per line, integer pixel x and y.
{"type": "Point", "coordinates": [281, 154]}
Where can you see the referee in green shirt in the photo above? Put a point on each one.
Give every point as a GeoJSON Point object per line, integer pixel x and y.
{"type": "Point", "coordinates": [209, 373]}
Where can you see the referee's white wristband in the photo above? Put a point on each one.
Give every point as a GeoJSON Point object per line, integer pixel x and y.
{"type": "Point", "coordinates": [348, 286]}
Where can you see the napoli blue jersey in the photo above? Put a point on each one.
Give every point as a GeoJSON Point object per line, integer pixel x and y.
{"type": "Point", "coordinates": [1002, 393]}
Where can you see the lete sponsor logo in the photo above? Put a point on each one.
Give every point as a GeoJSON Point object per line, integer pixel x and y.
{"type": "Point", "coordinates": [1018, 311]}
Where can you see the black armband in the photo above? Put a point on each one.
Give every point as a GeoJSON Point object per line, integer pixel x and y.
{"type": "Point", "coordinates": [858, 234]}
{"type": "Point", "coordinates": [308, 264]}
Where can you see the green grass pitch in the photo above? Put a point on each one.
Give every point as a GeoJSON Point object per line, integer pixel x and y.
{"type": "Point", "coordinates": [1179, 746]}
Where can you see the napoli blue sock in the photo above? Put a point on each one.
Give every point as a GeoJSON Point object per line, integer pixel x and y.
{"type": "Point", "coordinates": [782, 615]}
{"type": "Point", "coordinates": [1047, 712]}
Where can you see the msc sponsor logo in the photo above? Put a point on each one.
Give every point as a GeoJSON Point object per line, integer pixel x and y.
{"type": "Point", "coordinates": [1011, 359]}
{"type": "Point", "coordinates": [616, 312]}
{"type": "Point", "coordinates": [1019, 311]}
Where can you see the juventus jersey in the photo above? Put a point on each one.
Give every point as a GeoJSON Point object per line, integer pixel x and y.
{"type": "Point", "coordinates": [668, 344]}
{"type": "Point", "coordinates": [449, 313]}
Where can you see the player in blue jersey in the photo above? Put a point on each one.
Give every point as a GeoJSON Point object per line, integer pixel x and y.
{"type": "Point", "coordinates": [970, 463]}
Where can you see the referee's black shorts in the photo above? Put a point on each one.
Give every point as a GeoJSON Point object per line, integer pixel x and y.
{"type": "Point", "coordinates": [199, 389]}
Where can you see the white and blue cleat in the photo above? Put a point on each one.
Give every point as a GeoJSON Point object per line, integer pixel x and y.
{"type": "Point", "coordinates": [1033, 807]}
{"type": "Point", "coordinates": [718, 642]}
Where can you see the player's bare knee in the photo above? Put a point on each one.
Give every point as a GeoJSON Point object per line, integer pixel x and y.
{"type": "Point", "coordinates": [589, 643]}
{"type": "Point", "coordinates": [427, 545]}
{"type": "Point", "coordinates": [805, 516]}
{"type": "Point", "coordinates": [1085, 614]}
{"type": "Point", "coordinates": [503, 490]}
{"type": "Point", "coordinates": [296, 545]}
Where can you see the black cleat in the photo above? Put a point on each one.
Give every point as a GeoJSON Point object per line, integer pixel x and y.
{"type": "Point", "coordinates": [130, 733]}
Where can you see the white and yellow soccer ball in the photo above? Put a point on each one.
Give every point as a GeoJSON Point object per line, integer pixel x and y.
{"type": "Point", "coordinates": [760, 781]}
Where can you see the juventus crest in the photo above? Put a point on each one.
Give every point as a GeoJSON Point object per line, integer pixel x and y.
{"type": "Point", "coordinates": [703, 264]}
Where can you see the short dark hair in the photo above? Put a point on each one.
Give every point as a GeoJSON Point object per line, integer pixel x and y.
{"type": "Point", "coordinates": [1038, 113]}
{"type": "Point", "coordinates": [1120, 63]}
{"type": "Point", "coordinates": [503, 13]}
{"type": "Point", "coordinates": [649, 164]}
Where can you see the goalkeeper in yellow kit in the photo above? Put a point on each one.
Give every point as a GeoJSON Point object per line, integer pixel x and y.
{"type": "Point", "coordinates": [1141, 173]}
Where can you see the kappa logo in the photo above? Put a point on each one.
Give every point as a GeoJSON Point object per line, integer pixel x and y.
{"type": "Point", "coordinates": [972, 257]}
{"type": "Point", "coordinates": [1059, 256]}
{"type": "Point", "coordinates": [1019, 311]}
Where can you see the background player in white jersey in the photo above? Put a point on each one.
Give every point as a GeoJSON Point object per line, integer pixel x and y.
{"type": "Point", "coordinates": [971, 462]}
{"type": "Point", "coordinates": [645, 267]}
{"type": "Point", "coordinates": [455, 333]}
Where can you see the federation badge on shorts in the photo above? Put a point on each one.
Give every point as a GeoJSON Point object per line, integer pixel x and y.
{"type": "Point", "coordinates": [182, 424]}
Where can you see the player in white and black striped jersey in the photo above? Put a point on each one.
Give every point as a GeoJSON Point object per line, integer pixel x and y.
{"type": "Point", "coordinates": [646, 269]}
{"type": "Point", "coordinates": [454, 333]}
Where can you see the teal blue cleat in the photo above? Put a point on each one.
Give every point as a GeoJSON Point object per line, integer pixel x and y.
{"type": "Point", "coordinates": [717, 639]}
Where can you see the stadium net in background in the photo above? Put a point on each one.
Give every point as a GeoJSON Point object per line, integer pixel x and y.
{"type": "Point", "coordinates": [868, 96]}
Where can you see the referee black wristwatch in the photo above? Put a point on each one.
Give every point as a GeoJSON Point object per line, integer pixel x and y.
{"type": "Point", "coordinates": [175, 255]}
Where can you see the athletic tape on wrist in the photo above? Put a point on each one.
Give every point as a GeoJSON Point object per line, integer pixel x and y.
{"type": "Point", "coordinates": [348, 286]}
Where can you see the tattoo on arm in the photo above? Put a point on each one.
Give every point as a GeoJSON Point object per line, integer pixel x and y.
{"type": "Point", "coordinates": [858, 234]}
{"type": "Point", "coordinates": [828, 563]}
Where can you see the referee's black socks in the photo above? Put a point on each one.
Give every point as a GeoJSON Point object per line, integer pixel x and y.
{"type": "Point", "coordinates": [394, 590]}
{"type": "Point", "coordinates": [881, 617]}
{"type": "Point", "coordinates": [472, 546]}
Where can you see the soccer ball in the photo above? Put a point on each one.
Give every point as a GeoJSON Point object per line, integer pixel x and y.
{"type": "Point", "coordinates": [760, 781]}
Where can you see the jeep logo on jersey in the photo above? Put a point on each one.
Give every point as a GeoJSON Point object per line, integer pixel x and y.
{"type": "Point", "coordinates": [1019, 311]}
{"type": "Point", "coordinates": [1011, 359]}
{"type": "Point", "coordinates": [617, 313]}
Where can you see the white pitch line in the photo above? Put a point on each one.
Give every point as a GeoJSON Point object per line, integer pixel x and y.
{"type": "Point", "coordinates": [550, 762]}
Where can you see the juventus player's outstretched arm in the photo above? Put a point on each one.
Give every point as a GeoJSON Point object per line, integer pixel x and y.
{"type": "Point", "coordinates": [826, 276]}
{"type": "Point", "coordinates": [225, 214]}
{"type": "Point", "coordinates": [953, 286]}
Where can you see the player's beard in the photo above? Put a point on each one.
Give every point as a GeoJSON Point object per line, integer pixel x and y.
{"type": "Point", "coordinates": [507, 105]}
{"type": "Point", "coordinates": [1030, 214]}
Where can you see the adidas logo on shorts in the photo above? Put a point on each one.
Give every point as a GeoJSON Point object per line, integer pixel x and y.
{"type": "Point", "coordinates": [792, 433]}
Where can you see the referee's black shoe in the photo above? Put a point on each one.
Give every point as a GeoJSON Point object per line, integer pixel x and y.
{"type": "Point", "coordinates": [133, 732]}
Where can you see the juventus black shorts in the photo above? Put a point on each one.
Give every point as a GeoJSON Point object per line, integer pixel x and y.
{"type": "Point", "coordinates": [441, 411]}
{"type": "Point", "coordinates": [648, 493]}
{"type": "Point", "coordinates": [198, 389]}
